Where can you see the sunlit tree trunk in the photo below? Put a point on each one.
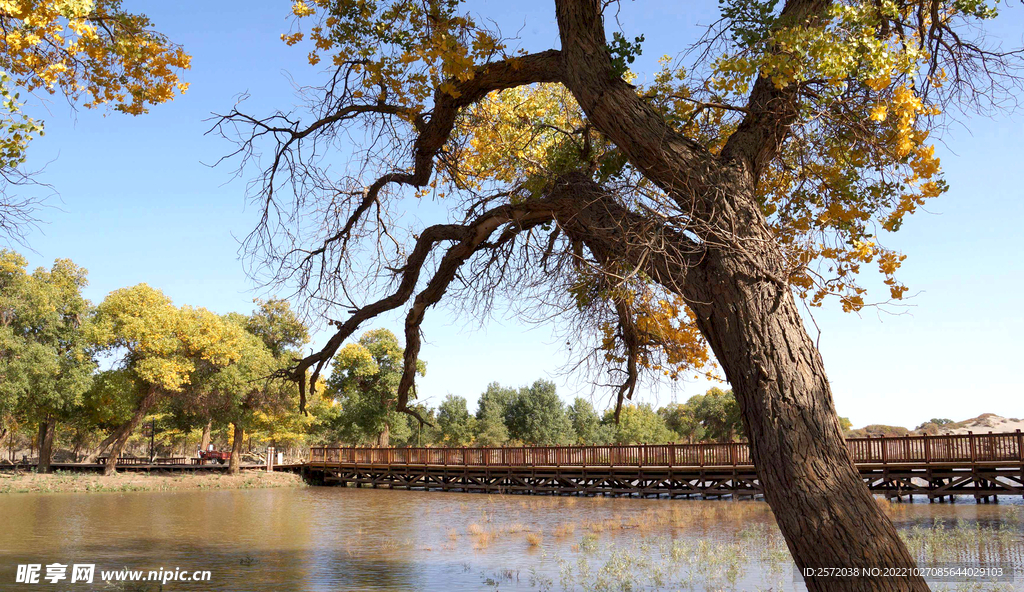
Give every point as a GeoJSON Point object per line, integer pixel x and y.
{"type": "Point", "coordinates": [125, 431]}
{"type": "Point", "coordinates": [384, 438]}
{"type": "Point", "coordinates": [204, 443]}
{"type": "Point", "coordinates": [237, 441]}
{"type": "Point", "coordinates": [824, 510]}
{"type": "Point", "coordinates": [47, 429]}
{"type": "Point", "coordinates": [101, 447]}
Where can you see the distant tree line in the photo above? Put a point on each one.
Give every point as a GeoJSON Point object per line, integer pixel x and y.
{"type": "Point", "coordinates": [358, 407]}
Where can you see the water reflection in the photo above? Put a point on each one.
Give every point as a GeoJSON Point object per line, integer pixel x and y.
{"type": "Point", "coordinates": [332, 538]}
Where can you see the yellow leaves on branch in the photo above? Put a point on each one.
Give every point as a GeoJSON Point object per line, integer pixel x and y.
{"type": "Point", "coordinates": [858, 160]}
{"type": "Point", "coordinates": [515, 137]}
{"type": "Point", "coordinates": [90, 49]}
{"type": "Point", "coordinates": [404, 50]}
{"type": "Point", "coordinates": [669, 341]}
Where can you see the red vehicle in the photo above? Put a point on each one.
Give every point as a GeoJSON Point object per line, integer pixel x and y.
{"type": "Point", "coordinates": [217, 455]}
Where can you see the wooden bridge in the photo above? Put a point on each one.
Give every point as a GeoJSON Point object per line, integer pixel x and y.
{"type": "Point", "coordinates": [938, 467]}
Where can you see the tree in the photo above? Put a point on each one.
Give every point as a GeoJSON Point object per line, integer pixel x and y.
{"type": "Point", "coordinates": [537, 416]}
{"type": "Point", "coordinates": [639, 424]}
{"type": "Point", "coordinates": [680, 420]}
{"type": "Point", "coordinates": [93, 53]}
{"type": "Point", "coordinates": [454, 423]}
{"type": "Point", "coordinates": [365, 382]}
{"type": "Point", "coordinates": [492, 408]}
{"type": "Point", "coordinates": [719, 414]}
{"type": "Point", "coordinates": [244, 392]}
{"type": "Point", "coordinates": [159, 346]}
{"type": "Point", "coordinates": [44, 367]}
{"type": "Point", "coordinates": [657, 221]}
{"type": "Point", "coordinates": [586, 423]}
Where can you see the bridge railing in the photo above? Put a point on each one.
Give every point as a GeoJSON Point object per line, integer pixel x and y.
{"type": "Point", "coordinates": [959, 448]}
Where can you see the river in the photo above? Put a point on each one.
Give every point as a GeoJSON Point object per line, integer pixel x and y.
{"type": "Point", "coordinates": [335, 538]}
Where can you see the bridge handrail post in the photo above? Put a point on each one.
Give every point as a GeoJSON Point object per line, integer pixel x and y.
{"type": "Point", "coordinates": [974, 452]}
{"type": "Point", "coordinates": [732, 453]}
{"type": "Point", "coordinates": [885, 451]}
{"type": "Point", "coordinates": [927, 449]}
{"type": "Point", "coordinates": [1020, 445]}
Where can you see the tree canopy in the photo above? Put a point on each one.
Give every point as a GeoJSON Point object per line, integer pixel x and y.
{"type": "Point", "coordinates": [94, 53]}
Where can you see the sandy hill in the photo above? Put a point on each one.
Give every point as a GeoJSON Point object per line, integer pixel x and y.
{"type": "Point", "coordinates": [984, 423]}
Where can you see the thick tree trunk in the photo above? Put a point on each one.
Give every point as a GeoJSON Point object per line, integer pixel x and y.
{"type": "Point", "coordinates": [234, 465]}
{"type": "Point", "coordinates": [825, 512]}
{"type": "Point", "coordinates": [822, 506]}
{"type": "Point", "coordinates": [47, 429]}
{"type": "Point", "coordinates": [204, 443]}
{"type": "Point", "coordinates": [126, 430]}
{"type": "Point", "coordinates": [384, 438]}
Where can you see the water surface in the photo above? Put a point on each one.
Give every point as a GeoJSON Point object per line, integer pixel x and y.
{"type": "Point", "coordinates": [336, 538]}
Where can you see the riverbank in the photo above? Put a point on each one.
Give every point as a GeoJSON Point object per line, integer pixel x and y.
{"type": "Point", "coordinates": [61, 482]}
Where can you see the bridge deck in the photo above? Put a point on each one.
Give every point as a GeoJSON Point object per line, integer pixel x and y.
{"type": "Point", "coordinates": [938, 467]}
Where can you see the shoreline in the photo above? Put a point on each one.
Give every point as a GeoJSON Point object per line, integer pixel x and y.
{"type": "Point", "coordinates": [64, 482]}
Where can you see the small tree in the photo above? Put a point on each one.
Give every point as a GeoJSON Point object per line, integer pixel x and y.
{"type": "Point", "coordinates": [718, 413]}
{"type": "Point", "coordinates": [537, 416]}
{"type": "Point", "coordinates": [454, 423]}
{"type": "Point", "coordinates": [638, 424]}
{"type": "Point", "coordinates": [159, 347]}
{"type": "Point", "coordinates": [680, 419]}
{"type": "Point", "coordinates": [365, 382]}
{"type": "Point", "coordinates": [587, 425]}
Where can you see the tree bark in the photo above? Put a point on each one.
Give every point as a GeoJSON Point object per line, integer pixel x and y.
{"type": "Point", "coordinates": [123, 432]}
{"type": "Point", "coordinates": [234, 465]}
{"type": "Point", "coordinates": [384, 437]}
{"type": "Point", "coordinates": [205, 442]}
{"type": "Point", "coordinates": [47, 429]}
{"type": "Point", "coordinates": [825, 512]}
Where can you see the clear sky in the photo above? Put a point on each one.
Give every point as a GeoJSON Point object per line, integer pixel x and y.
{"type": "Point", "coordinates": [137, 204]}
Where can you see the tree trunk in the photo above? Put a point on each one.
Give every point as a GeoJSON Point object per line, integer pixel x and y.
{"type": "Point", "coordinates": [384, 438]}
{"type": "Point", "coordinates": [47, 430]}
{"type": "Point", "coordinates": [205, 442]}
{"type": "Point", "coordinates": [234, 465]}
{"type": "Point", "coordinates": [825, 512]}
{"type": "Point", "coordinates": [822, 506]}
{"type": "Point", "coordinates": [123, 432]}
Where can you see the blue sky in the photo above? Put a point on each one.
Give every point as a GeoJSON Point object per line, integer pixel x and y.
{"type": "Point", "coordinates": [138, 204]}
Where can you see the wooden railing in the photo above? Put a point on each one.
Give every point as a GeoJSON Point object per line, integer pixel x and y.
{"type": "Point", "coordinates": [965, 448]}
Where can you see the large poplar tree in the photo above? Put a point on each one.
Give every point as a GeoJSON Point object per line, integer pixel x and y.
{"type": "Point", "coordinates": [45, 368]}
{"type": "Point", "coordinates": [692, 213]}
